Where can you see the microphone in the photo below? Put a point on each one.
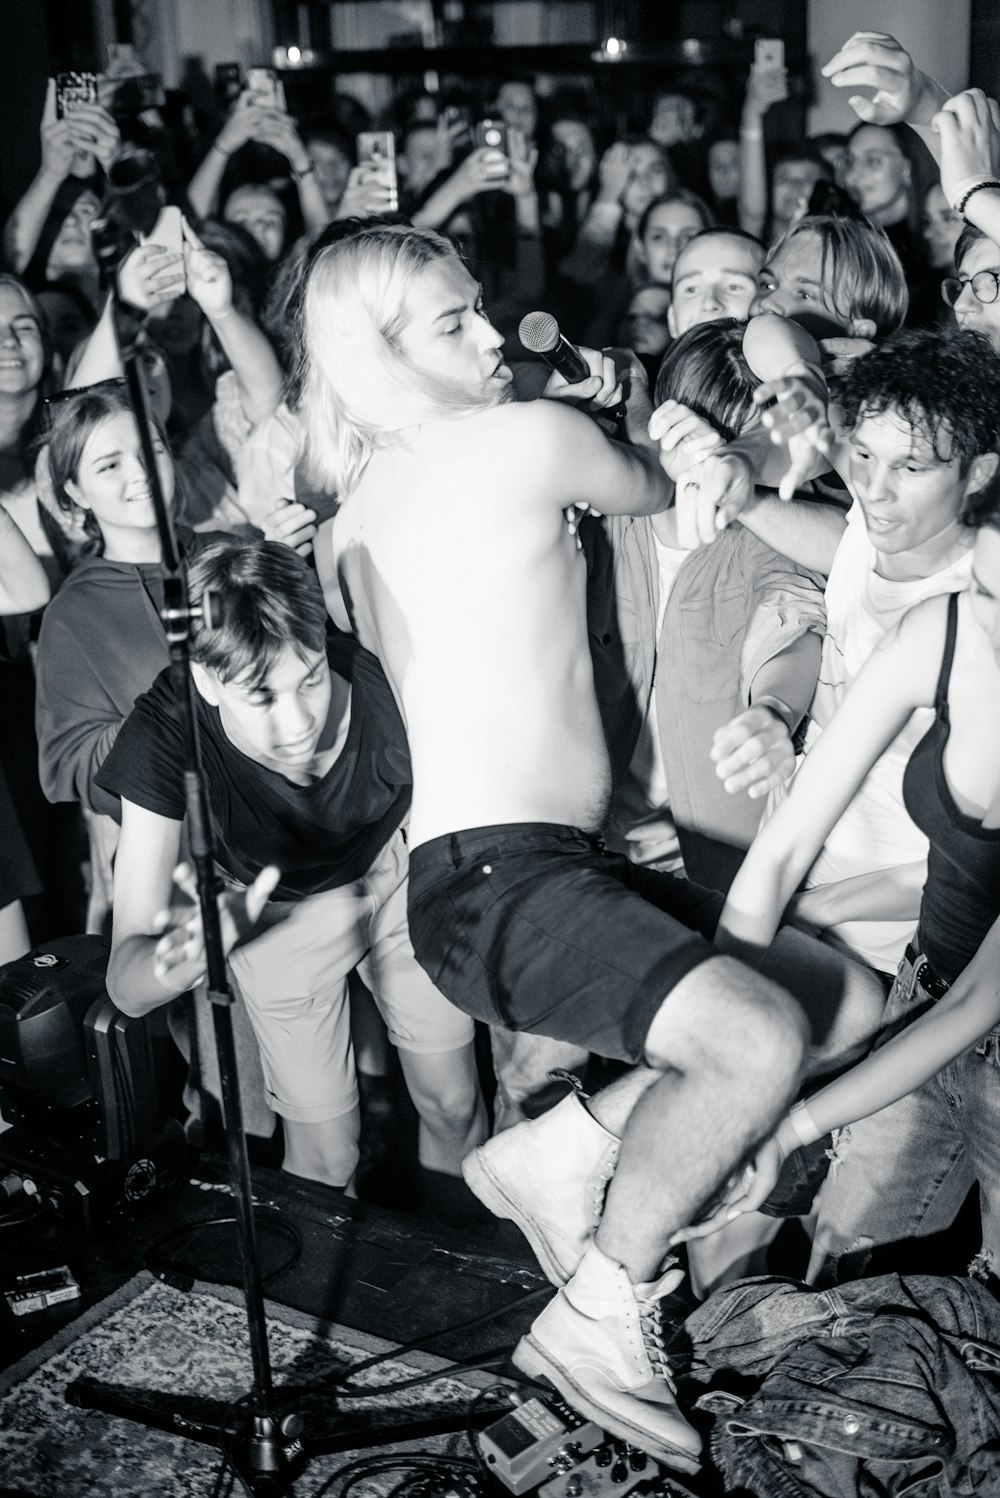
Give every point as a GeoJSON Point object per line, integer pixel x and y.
{"type": "Point", "coordinates": [539, 333]}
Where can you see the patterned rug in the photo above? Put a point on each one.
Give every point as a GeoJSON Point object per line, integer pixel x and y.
{"type": "Point", "coordinates": [151, 1337]}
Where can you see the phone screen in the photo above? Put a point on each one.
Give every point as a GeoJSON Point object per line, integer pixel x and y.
{"type": "Point", "coordinates": [769, 54]}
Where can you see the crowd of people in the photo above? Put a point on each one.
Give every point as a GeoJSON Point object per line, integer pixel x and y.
{"type": "Point", "coordinates": [659, 739]}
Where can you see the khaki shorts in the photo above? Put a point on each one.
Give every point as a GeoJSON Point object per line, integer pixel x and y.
{"type": "Point", "coordinates": [293, 978]}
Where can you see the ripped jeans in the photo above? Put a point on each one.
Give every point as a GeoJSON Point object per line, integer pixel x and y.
{"type": "Point", "coordinates": [905, 1172]}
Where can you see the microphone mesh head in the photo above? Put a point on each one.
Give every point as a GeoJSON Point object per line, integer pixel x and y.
{"type": "Point", "coordinates": [539, 332]}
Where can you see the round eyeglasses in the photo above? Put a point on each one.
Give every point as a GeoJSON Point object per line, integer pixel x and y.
{"type": "Point", "coordinates": [985, 287]}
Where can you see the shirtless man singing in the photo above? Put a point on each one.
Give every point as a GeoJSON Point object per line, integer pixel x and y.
{"type": "Point", "coordinates": [458, 569]}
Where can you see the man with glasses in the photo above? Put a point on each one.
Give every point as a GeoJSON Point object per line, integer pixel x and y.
{"type": "Point", "coordinates": [974, 292]}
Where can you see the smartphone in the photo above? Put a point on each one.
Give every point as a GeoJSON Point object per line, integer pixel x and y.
{"type": "Point", "coordinates": [769, 54]}
{"type": "Point", "coordinates": [266, 88]}
{"type": "Point", "coordinates": [167, 231]}
{"type": "Point", "coordinates": [492, 133]}
{"type": "Point", "coordinates": [73, 89]}
{"type": "Point", "coordinates": [377, 148]}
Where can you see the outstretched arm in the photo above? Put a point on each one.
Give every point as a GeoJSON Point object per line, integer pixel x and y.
{"type": "Point", "coordinates": [899, 677]}
{"type": "Point", "coordinates": [157, 943]}
{"type": "Point", "coordinates": [903, 94]}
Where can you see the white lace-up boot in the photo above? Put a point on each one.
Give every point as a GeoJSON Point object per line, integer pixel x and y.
{"type": "Point", "coordinates": [549, 1176]}
{"type": "Point", "coordinates": [600, 1342]}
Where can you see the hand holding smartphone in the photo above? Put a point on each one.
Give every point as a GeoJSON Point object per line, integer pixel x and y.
{"type": "Point", "coordinates": [377, 153]}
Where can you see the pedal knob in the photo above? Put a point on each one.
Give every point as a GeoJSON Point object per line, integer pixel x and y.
{"type": "Point", "coordinates": [604, 1455]}
{"type": "Point", "coordinates": [619, 1472]}
{"type": "Point", "coordinates": [574, 1488]}
{"type": "Point", "coordinates": [637, 1459]}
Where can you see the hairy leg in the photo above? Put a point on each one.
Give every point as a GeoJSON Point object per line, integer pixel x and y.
{"type": "Point", "coordinates": [730, 1047]}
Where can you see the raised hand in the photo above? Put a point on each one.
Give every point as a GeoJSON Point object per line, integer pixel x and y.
{"type": "Point", "coordinates": [522, 161]}
{"type": "Point", "coordinates": [614, 173]}
{"type": "Point", "coordinates": [753, 752]}
{"type": "Point", "coordinates": [968, 127]}
{"type": "Point", "coordinates": [179, 955]}
{"type": "Point", "coordinates": [799, 420]}
{"type": "Point", "coordinates": [150, 276]}
{"type": "Point", "coordinates": [209, 282]}
{"type": "Point", "coordinates": [95, 134]}
{"type": "Point", "coordinates": [765, 88]}
{"type": "Point", "coordinates": [685, 438]}
{"type": "Point", "coordinates": [600, 390]}
{"type": "Point", "coordinates": [873, 59]}
{"type": "Point", "coordinates": [368, 191]}
{"type": "Point", "coordinates": [59, 144]}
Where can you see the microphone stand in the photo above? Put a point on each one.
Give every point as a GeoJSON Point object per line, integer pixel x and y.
{"type": "Point", "coordinates": [264, 1440]}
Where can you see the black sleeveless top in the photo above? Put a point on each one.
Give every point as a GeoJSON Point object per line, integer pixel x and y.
{"type": "Point", "coordinates": [961, 899]}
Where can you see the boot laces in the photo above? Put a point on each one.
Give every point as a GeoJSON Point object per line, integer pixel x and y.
{"type": "Point", "coordinates": [599, 1183]}
{"type": "Point", "coordinates": [651, 1327]}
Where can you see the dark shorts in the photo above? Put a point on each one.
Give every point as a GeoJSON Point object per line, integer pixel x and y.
{"type": "Point", "coordinates": [535, 927]}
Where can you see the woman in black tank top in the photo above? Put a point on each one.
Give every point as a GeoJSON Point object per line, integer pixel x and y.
{"type": "Point", "coordinates": [933, 1080]}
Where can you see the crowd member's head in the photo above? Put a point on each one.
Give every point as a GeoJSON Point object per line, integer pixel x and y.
{"type": "Point", "coordinates": [832, 146]}
{"type": "Point", "coordinates": [715, 275]}
{"type": "Point", "coordinates": [878, 172]}
{"type": "Point", "coordinates": [665, 228]}
{"type": "Point", "coordinates": [573, 141]}
{"type": "Point", "coordinates": [392, 333]}
{"type": "Point", "coordinates": [517, 106]}
{"type": "Point", "coordinates": [722, 163]}
{"type": "Point", "coordinates": [674, 119]}
{"type": "Point", "coordinates": [419, 156]}
{"type": "Point", "coordinates": [973, 292]}
{"type": "Point", "coordinates": [834, 275]}
{"type": "Point", "coordinates": [650, 176]}
{"type": "Point", "coordinates": [69, 315]}
{"type": "Point", "coordinates": [331, 155]}
{"type": "Point", "coordinates": [258, 209]}
{"type": "Point", "coordinates": [706, 371]}
{"type": "Point", "coordinates": [796, 172]}
{"type": "Point", "coordinates": [265, 667]}
{"type": "Point", "coordinates": [72, 251]}
{"type": "Point", "coordinates": [24, 347]}
{"type": "Point", "coordinates": [922, 410]}
{"type": "Point", "coordinates": [941, 228]}
{"type": "Point", "coordinates": [645, 328]}
{"type": "Point", "coordinates": [95, 460]}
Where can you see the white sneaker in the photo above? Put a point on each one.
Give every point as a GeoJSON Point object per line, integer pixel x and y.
{"type": "Point", "coordinates": [549, 1176]}
{"type": "Point", "coordinates": [599, 1341]}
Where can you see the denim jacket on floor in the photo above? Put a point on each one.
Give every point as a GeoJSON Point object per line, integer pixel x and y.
{"type": "Point", "coordinates": [883, 1388]}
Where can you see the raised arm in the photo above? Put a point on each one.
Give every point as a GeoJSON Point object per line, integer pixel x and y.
{"type": "Point", "coordinates": [763, 90]}
{"type": "Point", "coordinates": [899, 677]}
{"type": "Point", "coordinates": [70, 147]}
{"type": "Point", "coordinates": [246, 121]}
{"type": "Point", "coordinates": [968, 130]}
{"type": "Point", "coordinates": [249, 352]}
{"type": "Point", "coordinates": [24, 586]}
{"type": "Point", "coordinates": [903, 94]}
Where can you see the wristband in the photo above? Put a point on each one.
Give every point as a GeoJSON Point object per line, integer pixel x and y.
{"type": "Point", "coordinates": [802, 1125]}
{"type": "Point", "coordinates": [779, 708]}
{"type": "Point", "coordinates": [223, 153]}
{"type": "Point", "coordinates": [307, 171]}
{"type": "Point", "coordinates": [963, 190]}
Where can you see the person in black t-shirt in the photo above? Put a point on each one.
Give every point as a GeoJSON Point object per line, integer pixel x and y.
{"type": "Point", "coordinates": [309, 782]}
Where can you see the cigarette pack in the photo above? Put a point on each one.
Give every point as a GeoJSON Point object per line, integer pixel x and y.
{"type": "Point", "coordinates": [33, 1292]}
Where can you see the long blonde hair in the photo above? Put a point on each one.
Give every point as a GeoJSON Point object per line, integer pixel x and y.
{"type": "Point", "coordinates": [357, 388]}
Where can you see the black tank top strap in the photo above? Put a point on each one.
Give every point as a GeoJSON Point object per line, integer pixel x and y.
{"type": "Point", "coordinates": [951, 633]}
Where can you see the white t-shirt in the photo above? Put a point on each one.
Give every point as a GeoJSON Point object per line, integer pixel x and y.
{"type": "Point", "coordinates": [640, 824]}
{"type": "Point", "coordinates": [875, 831]}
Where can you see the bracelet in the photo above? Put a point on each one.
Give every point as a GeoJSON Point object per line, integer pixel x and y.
{"type": "Point", "coordinates": [964, 190]}
{"type": "Point", "coordinates": [216, 147]}
{"type": "Point", "coordinates": [802, 1125]}
{"type": "Point", "coordinates": [307, 171]}
{"type": "Point", "coordinates": [780, 709]}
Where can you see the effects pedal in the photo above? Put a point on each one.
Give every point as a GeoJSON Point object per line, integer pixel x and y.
{"type": "Point", "coordinates": [545, 1445]}
{"type": "Point", "coordinates": [536, 1440]}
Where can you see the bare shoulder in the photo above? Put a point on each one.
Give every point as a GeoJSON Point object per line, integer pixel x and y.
{"type": "Point", "coordinates": [543, 426]}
